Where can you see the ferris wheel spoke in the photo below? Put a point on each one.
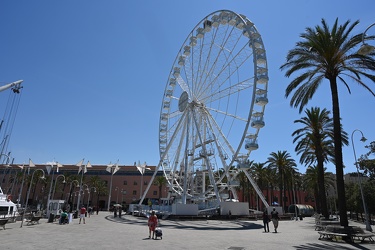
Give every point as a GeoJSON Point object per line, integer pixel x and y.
{"type": "Point", "coordinates": [228, 114]}
{"type": "Point", "coordinates": [220, 133]}
{"type": "Point", "coordinates": [222, 59]}
{"type": "Point", "coordinates": [231, 90]}
{"type": "Point", "coordinates": [232, 66]}
{"type": "Point", "coordinates": [213, 56]}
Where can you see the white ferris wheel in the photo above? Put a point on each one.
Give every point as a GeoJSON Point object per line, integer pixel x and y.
{"type": "Point", "coordinates": [213, 108]}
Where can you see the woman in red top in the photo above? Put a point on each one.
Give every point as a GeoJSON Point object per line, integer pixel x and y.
{"type": "Point", "coordinates": [152, 224]}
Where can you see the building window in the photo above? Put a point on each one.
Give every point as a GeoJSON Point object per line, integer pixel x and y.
{"type": "Point", "coordinates": [145, 183]}
{"type": "Point", "coordinates": [134, 192]}
{"type": "Point", "coordinates": [125, 182]}
{"type": "Point", "coordinates": [135, 183]}
{"type": "Point", "coordinates": [155, 193]}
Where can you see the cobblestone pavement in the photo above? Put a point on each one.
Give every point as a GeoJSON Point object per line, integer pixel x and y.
{"type": "Point", "coordinates": [103, 231]}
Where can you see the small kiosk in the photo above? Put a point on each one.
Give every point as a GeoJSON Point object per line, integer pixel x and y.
{"type": "Point", "coordinates": [55, 207]}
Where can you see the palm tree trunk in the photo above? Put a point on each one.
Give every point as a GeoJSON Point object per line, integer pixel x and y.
{"type": "Point", "coordinates": [321, 186]}
{"type": "Point", "coordinates": [338, 154]}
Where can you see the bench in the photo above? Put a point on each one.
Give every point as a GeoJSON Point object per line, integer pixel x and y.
{"type": "Point", "coordinates": [360, 234]}
{"type": "Point", "coordinates": [3, 222]}
{"type": "Point", "coordinates": [322, 223]}
{"type": "Point", "coordinates": [332, 233]}
{"type": "Point", "coordinates": [350, 233]}
{"type": "Point", "coordinates": [33, 219]}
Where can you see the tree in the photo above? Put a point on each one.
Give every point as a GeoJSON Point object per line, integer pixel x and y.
{"type": "Point", "coordinates": [315, 145]}
{"type": "Point", "coordinates": [160, 181]}
{"type": "Point", "coordinates": [366, 164]}
{"type": "Point", "coordinates": [258, 171]}
{"type": "Point", "coordinates": [282, 163]}
{"type": "Point", "coordinates": [331, 54]}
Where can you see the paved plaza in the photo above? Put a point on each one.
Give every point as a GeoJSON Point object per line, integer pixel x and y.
{"type": "Point", "coordinates": [103, 231]}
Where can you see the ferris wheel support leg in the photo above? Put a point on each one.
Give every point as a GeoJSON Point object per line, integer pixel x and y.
{"type": "Point", "coordinates": [150, 183]}
{"type": "Point", "coordinates": [257, 189]}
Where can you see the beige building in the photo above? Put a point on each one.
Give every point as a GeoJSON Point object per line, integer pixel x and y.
{"type": "Point", "coordinates": [127, 185]}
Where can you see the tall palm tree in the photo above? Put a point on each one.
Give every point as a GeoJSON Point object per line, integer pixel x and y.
{"type": "Point", "coordinates": [326, 53]}
{"type": "Point", "coordinates": [315, 145]}
{"type": "Point", "coordinates": [282, 163]}
{"type": "Point", "coordinates": [160, 181]}
{"type": "Point", "coordinates": [258, 171]}
{"type": "Point", "coordinates": [310, 182]}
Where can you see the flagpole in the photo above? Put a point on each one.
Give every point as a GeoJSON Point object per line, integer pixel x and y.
{"type": "Point", "coordinates": [112, 169]}
{"type": "Point", "coordinates": [80, 188]}
{"type": "Point", "coordinates": [110, 189]}
{"type": "Point", "coordinates": [50, 190]}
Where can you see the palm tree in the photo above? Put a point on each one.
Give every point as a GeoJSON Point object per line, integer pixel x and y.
{"type": "Point", "coordinates": [101, 190]}
{"type": "Point", "coordinates": [282, 163]}
{"type": "Point", "coordinates": [160, 181]}
{"type": "Point", "coordinates": [259, 173]}
{"type": "Point", "coordinates": [315, 145]}
{"type": "Point", "coordinates": [328, 54]}
{"type": "Point", "coordinates": [310, 182]}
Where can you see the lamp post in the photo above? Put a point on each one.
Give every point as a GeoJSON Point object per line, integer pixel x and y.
{"type": "Point", "coordinates": [123, 192]}
{"type": "Point", "coordinates": [88, 198]}
{"type": "Point", "coordinates": [54, 188]}
{"type": "Point", "coordinates": [117, 189]}
{"type": "Point", "coordinates": [70, 192]}
{"type": "Point", "coordinates": [83, 193]}
{"type": "Point", "coordinates": [366, 48]}
{"type": "Point", "coordinates": [112, 169]}
{"type": "Point", "coordinates": [28, 193]}
{"type": "Point", "coordinates": [363, 139]}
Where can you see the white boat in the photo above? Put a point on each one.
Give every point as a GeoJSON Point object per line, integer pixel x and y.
{"type": "Point", "coordinates": [7, 208]}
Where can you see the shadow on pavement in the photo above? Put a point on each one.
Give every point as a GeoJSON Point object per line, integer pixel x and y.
{"type": "Point", "coordinates": [316, 246]}
{"type": "Point", "coordinates": [198, 225]}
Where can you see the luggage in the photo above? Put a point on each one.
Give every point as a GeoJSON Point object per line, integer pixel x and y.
{"type": "Point", "coordinates": [158, 233]}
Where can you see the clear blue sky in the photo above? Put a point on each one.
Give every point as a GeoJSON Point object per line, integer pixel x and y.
{"type": "Point", "coordinates": [95, 71]}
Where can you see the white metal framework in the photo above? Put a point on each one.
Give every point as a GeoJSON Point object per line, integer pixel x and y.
{"type": "Point", "coordinates": [212, 108]}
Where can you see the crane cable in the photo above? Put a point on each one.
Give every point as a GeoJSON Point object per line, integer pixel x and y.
{"type": "Point", "coordinates": [7, 123]}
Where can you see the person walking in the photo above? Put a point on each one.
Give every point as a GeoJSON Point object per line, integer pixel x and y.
{"type": "Point", "coordinates": [152, 224]}
{"type": "Point", "coordinates": [266, 220]}
{"type": "Point", "coordinates": [82, 214]}
{"type": "Point", "coordinates": [275, 219]}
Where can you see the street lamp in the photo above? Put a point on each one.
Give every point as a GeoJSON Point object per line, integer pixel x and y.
{"type": "Point", "coordinates": [111, 169]}
{"type": "Point", "coordinates": [54, 188]}
{"type": "Point", "coordinates": [366, 48]}
{"type": "Point", "coordinates": [117, 189]}
{"type": "Point", "coordinates": [363, 139]}
{"type": "Point", "coordinates": [28, 193]}
{"type": "Point", "coordinates": [88, 198]}
{"type": "Point", "coordinates": [70, 192]}
{"type": "Point", "coordinates": [123, 192]}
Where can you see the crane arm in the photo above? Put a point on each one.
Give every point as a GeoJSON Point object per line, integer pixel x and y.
{"type": "Point", "coordinates": [16, 85]}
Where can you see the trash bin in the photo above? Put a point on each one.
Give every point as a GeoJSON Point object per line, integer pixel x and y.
{"type": "Point", "coordinates": [75, 215]}
{"type": "Point", "coordinates": [51, 217]}
{"type": "Point", "coordinates": [300, 217]}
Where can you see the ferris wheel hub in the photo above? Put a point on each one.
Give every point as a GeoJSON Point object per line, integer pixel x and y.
{"type": "Point", "coordinates": [183, 102]}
